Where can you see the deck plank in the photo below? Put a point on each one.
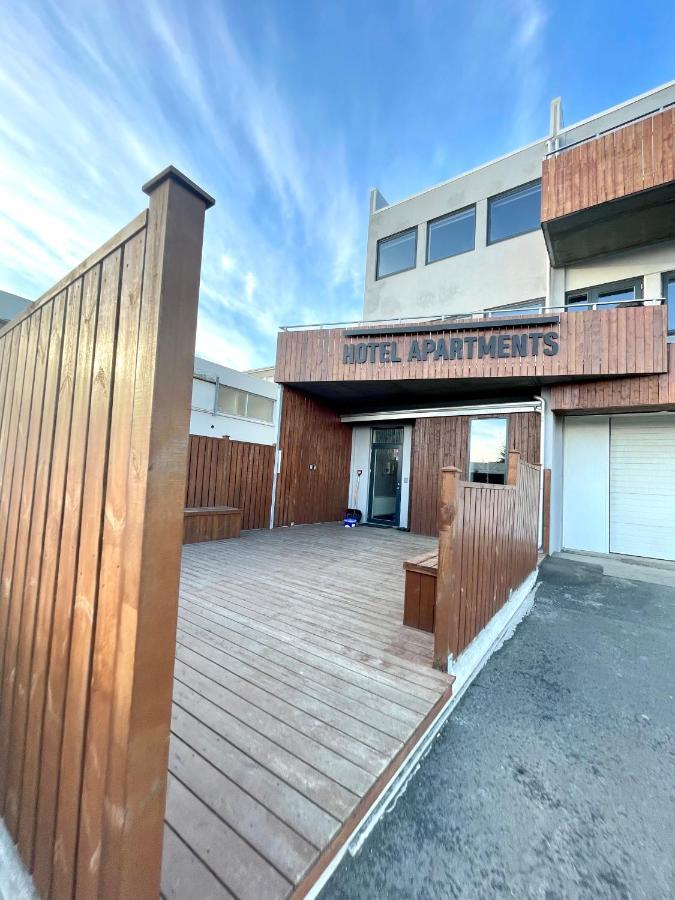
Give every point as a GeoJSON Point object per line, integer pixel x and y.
{"type": "Point", "coordinates": [296, 686]}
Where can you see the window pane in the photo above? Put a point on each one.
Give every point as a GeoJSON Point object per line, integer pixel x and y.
{"type": "Point", "coordinates": [397, 253]}
{"type": "Point", "coordinates": [578, 303]}
{"type": "Point", "coordinates": [231, 401]}
{"type": "Point", "coordinates": [260, 408]}
{"type": "Point", "coordinates": [202, 394]}
{"type": "Point", "coordinates": [451, 235]}
{"type": "Point", "coordinates": [670, 297]}
{"type": "Point", "coordinates": [487, 450]}
{"type": "Point", "coordinates": [509, 311]}
{"type": "Point", "coordinates": [514, 213]}
{"type": "Point", "coordinates": [609, 299]}
{"type": "Point", "coordinates": [387, 435]}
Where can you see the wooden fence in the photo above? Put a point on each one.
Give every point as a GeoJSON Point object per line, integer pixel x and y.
{"type": "Point", "coordinates": [222, 472]}
{"type": "Point", "coordinates": [487, 547]}
{"type": "Point", "coordinates": [95, 384]}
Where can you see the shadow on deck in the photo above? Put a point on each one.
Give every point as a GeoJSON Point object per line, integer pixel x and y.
{"type": "Point", "coordinates": [297, 695]}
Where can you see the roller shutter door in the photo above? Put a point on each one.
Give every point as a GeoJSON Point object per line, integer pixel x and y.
{"type": "Point", "coordinates": [642, 486]}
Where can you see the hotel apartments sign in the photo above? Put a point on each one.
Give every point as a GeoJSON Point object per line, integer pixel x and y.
{"type": "Point", "coordinates": [501, 346]}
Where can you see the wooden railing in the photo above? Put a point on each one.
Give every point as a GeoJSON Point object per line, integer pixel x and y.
{"type": "Point", "coordinates": [622, 162]}
{"type": "Point", "coordinates": [95, 384]}
{"type": "Point", "coordinates": [222, 472]}
{"type": "Point", "coordinates": [487, 546]}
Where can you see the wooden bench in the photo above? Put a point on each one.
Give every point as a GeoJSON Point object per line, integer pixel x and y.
{"type": "Point", "coordinates": [420, 591]}
{"type": "Point", "coordinates": [211, 523]}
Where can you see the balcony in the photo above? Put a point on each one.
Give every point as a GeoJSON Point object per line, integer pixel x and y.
{"type": "Point", "coordinates": [612, 192]}
{"type": "Point", "coordinates": [461, 356]}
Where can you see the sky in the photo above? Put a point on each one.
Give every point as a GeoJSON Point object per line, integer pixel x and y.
{"type": "Point", "coordinates": [287, 113]}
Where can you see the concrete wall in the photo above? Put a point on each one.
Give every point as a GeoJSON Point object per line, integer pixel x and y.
{"type": "Point", "coordinates": [512, 271]}
{"type": "Point", "coordinates": [491, 275]}
{"type": "Point", "coordinates": [647, 262]}
{"type": "Point", "coordinates": [204, 421]}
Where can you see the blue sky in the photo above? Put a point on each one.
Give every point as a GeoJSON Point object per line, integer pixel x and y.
{"type": "Point", "coordinates": [287, 112]}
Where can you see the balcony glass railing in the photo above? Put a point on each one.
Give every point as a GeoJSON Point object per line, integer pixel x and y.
{"type": "Point", "coordinates": [534, 309]}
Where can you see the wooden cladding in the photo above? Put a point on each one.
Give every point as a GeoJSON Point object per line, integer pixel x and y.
{"type": "Point", "coordinates": [223, 472]}
{"type": "Point", "coordinates": [211, 523]}
{"type": "Point", "coordinates": [444, 441]}
{"type": "Point", "coordinates": [95, 383]}
{"type": "Point", "coordinates": [624, 341]}
{"type": "Point", "coordinates": [487, 547]}
{"type": "Point", "coordinates": [641, 393]}
{"type": "Point", "coordinates": [631, 159]}
{"type": "Point", "coordinates": [313, 483]}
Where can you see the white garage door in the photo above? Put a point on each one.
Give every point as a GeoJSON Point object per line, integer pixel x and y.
{"type": "Point", "coordinates": [642, 486]}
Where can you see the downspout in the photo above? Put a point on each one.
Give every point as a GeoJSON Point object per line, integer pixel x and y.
{"type": "Point", "coordinates": [277, 457]}
{"type": "Point", "coordinates": [542, 457]}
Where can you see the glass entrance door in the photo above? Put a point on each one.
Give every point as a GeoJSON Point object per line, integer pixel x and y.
{"type": "Point", "coordinates": [384, 496]}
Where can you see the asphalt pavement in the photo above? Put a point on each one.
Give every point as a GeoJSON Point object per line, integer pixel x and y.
{"type": "Point", "coordinates": [555, 776]}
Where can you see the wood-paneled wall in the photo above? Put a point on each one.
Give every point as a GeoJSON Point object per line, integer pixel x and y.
{"type": "Point", "coordinates": [643, 392]}
{"type": "Point", "coordinates": [625, 341]}
{"type": "Point", "coordinates": [95, 383]}
{"type": "Point", "coordinates": [444, 441]}
{"type": "Point", "coordinates": [222, 472]}
{"type": "Point", "coordinates": [622, 162]}
{"type": "Point", "coordinates": [311, 435]}
{"type": "Point", "coordinates": [487, 547]}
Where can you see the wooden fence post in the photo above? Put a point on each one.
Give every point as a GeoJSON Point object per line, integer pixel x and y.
{"type": "Point", "coordinates": [512, 470]}
{"type": "Point", "coordinates": [446, 618]}
{"type": "Point", "coordinates": [134, 797]}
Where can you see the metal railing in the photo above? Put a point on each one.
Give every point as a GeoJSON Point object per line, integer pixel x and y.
{"type": "Point", "coordinates": [598, 134]}
{"type": "Point", "coordinates": [537, 309]}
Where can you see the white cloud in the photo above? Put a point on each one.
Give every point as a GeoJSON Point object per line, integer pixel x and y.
{"type": "Point", "coordinates": [92, 108]}
{"type": "Point", "coordinates": [250, 284]}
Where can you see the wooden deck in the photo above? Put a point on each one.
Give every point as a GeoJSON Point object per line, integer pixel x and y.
{"type": "Point", "coordinates": [297, 693]}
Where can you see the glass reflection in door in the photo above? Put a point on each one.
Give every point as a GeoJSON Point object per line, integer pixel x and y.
{"type": "Point", "coordinates": [385, 476]}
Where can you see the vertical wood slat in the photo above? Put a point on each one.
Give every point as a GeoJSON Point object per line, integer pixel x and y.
{"type": "Point", "coordinates": [630, 159]}
{"type": "Point", "coordinates": [92, 480]}
{"type": "Point", "coordinates": [311, 434]}
{"type": "Point", "coordinates": [651, 391]}
{"type": "Point", "coordinates": [239, 474]}
{"type": "Point", "coordinates": [487, 546]}
{"type": "Point", "coordinates": [444, 441]}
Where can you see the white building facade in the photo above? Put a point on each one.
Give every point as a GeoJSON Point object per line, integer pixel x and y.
{"type": "Point", "coordinates": [227, 402]}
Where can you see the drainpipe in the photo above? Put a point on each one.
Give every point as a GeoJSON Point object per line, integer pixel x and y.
{"type": "Point", "coordinates": [278, 462]}
{"type": "Point", "coordinates": [542, 457]}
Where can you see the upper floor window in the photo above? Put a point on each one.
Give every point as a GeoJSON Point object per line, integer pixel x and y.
{"type": "Point", "coordinates": [487, 450]}
{"type": "Point", "coordinates": [669, 294]}
{"type": "Point", "coordinates": [529, 307]}
{"type": "Point", "coordinates": [605, 296]}
{"type": "Point", "coordinates": [235, 402]}
{"type": "Point", "coordinates": [451, 234]}
{"type": "Point", "coordinates": [515, 212]}
{"type": "Point", "coordinates": [203, 393]}
{"type": "Point", "coordinates": [396, 253]}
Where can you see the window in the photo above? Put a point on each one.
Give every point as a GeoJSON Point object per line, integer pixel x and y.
{"type": "Point", "coordinates": [487, 450]}
{"type": "Point", "coordinates": [260, 408]}
{"type": "Point", "coordinates": [397, 253]}
{"type": "Point", "coordinates": [669, 294]}
{"type": "Point", "coordinates": [606, 296]}
{"type": "Point", "coordinates": [451, 235]}
{"type": "Point", "coordinates": [530, 307]}
{"type": "Point", "coordinates": [514, 213]}
{"type": "Point", "coordinates": [203, 394]}
{"type": "Point", "coordinates": [235, 402]}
